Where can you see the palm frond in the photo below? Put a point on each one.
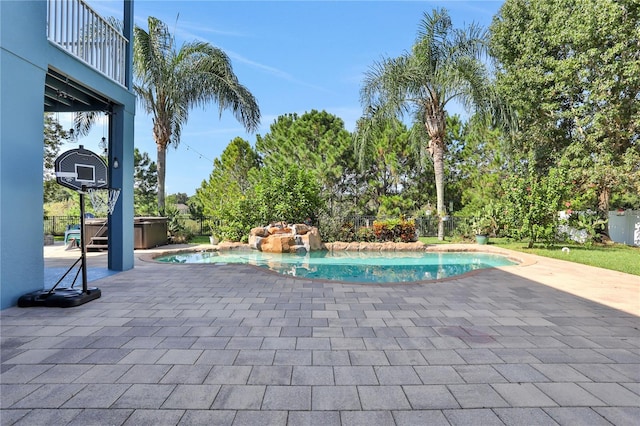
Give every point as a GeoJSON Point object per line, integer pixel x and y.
{"type": "Point", "coordinates": [171, 81]}
{"type": "Point", "coordinates": [83, 121]}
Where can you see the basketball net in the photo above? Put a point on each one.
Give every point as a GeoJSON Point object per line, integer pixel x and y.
{"type": "Point", "coordinates": [103, 200]}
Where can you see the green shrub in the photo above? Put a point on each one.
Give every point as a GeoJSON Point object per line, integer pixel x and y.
{"type": "Point", "coordinates": [178, 233]}
{"type": "Point", "coordinates": [531, 203]}
{"type": "Point", "coordinates": [588, 222]}
{"type": "Point", "coordinates": [291, 195]}
{"type": "Point", "coordinates": [365, 234]}
{"type": "Point", "coordinates": [398, 230]}
{"type": "Point", "coordinates": [484, 221]}
{"type": "Point", "coordinates": [347, 232]}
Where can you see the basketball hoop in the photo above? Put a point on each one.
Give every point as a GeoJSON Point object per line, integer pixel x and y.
{"type": "Point", "coordinates": [103, 200]}
{"type": "Point", "coordinates": [85, 172]}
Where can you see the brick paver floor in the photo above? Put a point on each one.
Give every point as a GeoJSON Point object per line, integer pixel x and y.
{"type": "Point", "coordinates": [547, 343]}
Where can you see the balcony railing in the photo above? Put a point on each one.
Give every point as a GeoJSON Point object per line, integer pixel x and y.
{"type": "Point", "coordinates": [78, 29]}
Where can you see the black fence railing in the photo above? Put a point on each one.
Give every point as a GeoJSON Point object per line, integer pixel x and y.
{"type": "Point", "coordinates": [197, 225]}
{"type": "Point", "coordinates": [56, 225]}
{"type": "Point", "coordinates": [426, 226]}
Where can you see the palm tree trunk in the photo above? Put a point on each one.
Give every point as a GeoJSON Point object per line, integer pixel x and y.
{"type": "Point", "coordinates": [435, 123]}
{"type": "Point", "coordinates": [438, 167]}
{"type": "Point", "coordinates": [162, 161]}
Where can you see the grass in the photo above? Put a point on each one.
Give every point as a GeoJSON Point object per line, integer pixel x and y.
{"type": "Point", "coordinates": [435, 240]}
{"type": "Point", "coordinates": [199, 239]}
{"type": "Point", "coordinates": [616, 257]}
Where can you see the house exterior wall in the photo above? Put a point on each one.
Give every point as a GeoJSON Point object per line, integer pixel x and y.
{"type": "Point", "coordinates": [624, 227]}
{"type": "Point", "coordinates": [25, 57]}
{"type": "Point", "coordinates": [23, 69]}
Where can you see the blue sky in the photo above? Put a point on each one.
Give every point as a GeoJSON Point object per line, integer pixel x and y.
{"type": "Point", "coordinates": [294, 56]}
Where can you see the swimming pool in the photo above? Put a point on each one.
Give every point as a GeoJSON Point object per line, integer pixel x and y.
{"type": "Point", "coordinates": [361, 267]}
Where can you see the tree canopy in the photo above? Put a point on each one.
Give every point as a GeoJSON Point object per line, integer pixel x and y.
{"type": "Point", "coordinates": [170, 81]}
{"type": "Point", "coordinates": [443, 65]}
{"type": "Point", "coordinates": [54, 137]}
{"type": "Point", "coordinates": [316, 141]}
{"type": "Point", "coordinates": [229, 179]}
{"type": "Point", "coordinates": [571, 68]}
{"type": "Point", "coordinates": [145, 184]}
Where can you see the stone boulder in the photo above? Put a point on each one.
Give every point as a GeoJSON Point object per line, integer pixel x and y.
{"type": "Point", "coordinates": [283, 238]}
{"type": "Point", "coordinates": [279, 228]}
{"type": "Point", "coordinates": [302, 229]}
{"type": "Point", "coordinates": [311, 238]}
{"type": "Point", "coordinates": [259, 232]}
{"type": "Point", "coordinates": [277, 243]}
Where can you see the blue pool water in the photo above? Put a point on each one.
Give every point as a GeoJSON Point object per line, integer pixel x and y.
{"type": "Point", "coordinates": [361, 267]}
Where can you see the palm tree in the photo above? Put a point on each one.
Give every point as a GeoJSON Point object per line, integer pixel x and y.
{"type": "Point", "coordinates": [171, 81]}
{"type": "Point", "coordinates": [445, 64]}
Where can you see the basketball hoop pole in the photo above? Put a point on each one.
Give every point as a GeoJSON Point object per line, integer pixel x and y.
{"type": "Point", "coordinates": [80, 170]}
{"type": "Point", "coordinates": [83, 247]}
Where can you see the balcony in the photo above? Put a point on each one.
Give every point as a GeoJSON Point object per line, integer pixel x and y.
{"type": "Point", "coordinates": [79, 30]}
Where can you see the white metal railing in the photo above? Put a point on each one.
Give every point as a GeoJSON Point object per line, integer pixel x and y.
{"type": "Point", "coordinates": [78, 29]}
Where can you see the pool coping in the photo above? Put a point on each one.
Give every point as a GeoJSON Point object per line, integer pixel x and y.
{"type": "Point", "coordinates": [522, 259]}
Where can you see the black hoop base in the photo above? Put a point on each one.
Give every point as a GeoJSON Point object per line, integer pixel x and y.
{"type": "Point", "coordinates": [59, 297]}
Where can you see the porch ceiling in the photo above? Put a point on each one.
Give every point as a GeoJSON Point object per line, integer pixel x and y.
{"type": "Point", "coordinates": [62, 94]}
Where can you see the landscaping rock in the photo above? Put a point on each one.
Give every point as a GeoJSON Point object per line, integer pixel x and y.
{"type": "Point", "coordinates": [283, 238]}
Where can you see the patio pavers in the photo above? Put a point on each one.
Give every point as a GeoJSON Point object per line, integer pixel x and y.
{"type": "Point", "coordinates": [205, 344]}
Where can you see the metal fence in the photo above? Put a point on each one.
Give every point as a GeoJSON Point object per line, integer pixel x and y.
{"type": "Point", "coordinates": [196, 226]}
{"type": "Point", "coordinates": [426, 226]}
{"type": "Point", "coordinates": [56, 225]}
{"type": "Point", "coordinates": [624, 227]}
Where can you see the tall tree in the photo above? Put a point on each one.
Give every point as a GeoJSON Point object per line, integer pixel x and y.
{"type": "Point", "coordinates": [477, 162]}
{"type": "Point", "coordinates": [145, 184]}
{"type": "Point", "coordinates": [444, 65]}
{"type": "Point", "coordinates": [229, 179]}
{"type": "Point", "coordinates": [572, 70]}
{"type": "Point", "coordinates": [236, 161]}
{"type": "Point", "coordinates": [170, 81]}
{"type": "Point", "coordinates": [290, 194]}
{"type": "Point", "coordinates": [389, 166]}
{"type": "Point", "coordinates": [225, 195]}
{"type": "Point", "coordinates": [54, 136]}
{"type": "Point", "coordinates": [315, 140]}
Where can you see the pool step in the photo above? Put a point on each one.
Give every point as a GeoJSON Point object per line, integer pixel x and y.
{"type": "Point", "coordinates": [98, 243]}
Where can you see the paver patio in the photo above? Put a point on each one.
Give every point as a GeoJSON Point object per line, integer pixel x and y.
{"type": "Point", "coordinates": [547, 343]}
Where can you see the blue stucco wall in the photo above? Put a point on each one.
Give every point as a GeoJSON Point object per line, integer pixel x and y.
{"type": "Point", "coordinates": [121, 221]}
{"type": "Point", "coordinates": [22, 75]}
{"type": "Point", "coordinates": [25, 57]}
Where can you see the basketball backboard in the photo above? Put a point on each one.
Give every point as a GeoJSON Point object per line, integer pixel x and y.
{"type": "Point", "coordinates": [80, 167]}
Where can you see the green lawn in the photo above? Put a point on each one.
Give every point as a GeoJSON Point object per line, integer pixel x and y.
{"type": "Point", "coordinates": [199, 239]}
{"type": "Point", "coordinates": [435, 240]}
{"type": "Point", "coordinates": [617, 257]}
